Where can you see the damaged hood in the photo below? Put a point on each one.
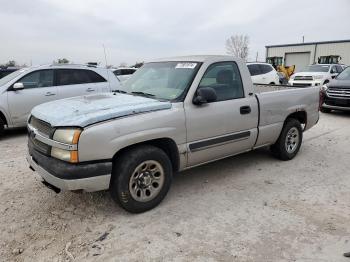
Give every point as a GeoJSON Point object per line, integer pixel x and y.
{"type": "Point", "coordinates": [86, 110]}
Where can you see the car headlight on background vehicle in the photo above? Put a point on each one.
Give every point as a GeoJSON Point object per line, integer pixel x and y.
{"type": "Point", "coordinates": [292, 77]}
{"type": "Point", "coordinates": [318, 77]}
{"type": "Point", "coordinates": [324, 88]}
{"type": "Point", "coordinates": [70, 137]}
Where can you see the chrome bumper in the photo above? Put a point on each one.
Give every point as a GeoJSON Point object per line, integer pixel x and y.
{"type": "Point", "coordinates": [89, 184]}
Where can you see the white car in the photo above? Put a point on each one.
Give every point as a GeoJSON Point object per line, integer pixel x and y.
{"type": "Point", "coordinates": [26, 88]}
{"type": "Point", "coordinates": [124, 73]}
{"type": "Point", "coordinates": [315, 75]}
{"type": "Point", "coordinates": [263, 73]}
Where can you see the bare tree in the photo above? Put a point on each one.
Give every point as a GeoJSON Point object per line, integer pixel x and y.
{"type": "Point", "coordinates": [238, 46]}
{"type": "Point", "coordinates": [123, 64]}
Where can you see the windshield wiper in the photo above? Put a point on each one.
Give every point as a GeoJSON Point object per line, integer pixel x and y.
{"type": "Point", "coordinates": [119, 91]}
{"type": "Point", "coordinates": [142, 93]}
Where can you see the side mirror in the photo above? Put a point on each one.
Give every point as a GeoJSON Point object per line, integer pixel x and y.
{"type": "Point", "coordinates": [204, 95]}
{"type": "Point", "coordinates": [18, 86]}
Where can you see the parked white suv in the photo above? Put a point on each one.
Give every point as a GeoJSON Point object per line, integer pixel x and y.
{"type": "Point", "coordinates": [263, 73]}
{"type": "Point", "coordinates": [22, 90]}
{"type": "Point", "coordinates": [315, 75]}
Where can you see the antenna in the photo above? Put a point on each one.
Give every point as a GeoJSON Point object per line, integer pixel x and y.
{"type": "Point", "coordinates": [109, 83]}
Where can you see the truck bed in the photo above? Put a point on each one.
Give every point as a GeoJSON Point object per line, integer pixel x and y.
{"type": "Point", "coordinates": [277, 102]}
{"type": "Point", "coordinates": [260, 88]}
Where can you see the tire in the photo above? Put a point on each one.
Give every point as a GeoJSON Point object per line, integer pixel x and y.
{"type": "Point", "coordinates": [289, 141]}
{"type": "Point", "coordinates": [325, 110]}
{"type": "Point", "coordinates": [2, 127]}
{"type": "Point", "coordinates": [141, 178]}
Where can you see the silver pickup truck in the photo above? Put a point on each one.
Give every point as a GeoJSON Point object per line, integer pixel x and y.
{"type": "Point", "coordinates": [171, 115]}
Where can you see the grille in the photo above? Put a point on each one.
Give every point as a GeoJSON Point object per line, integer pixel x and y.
{"type": "Point", "coordinates": [303, 78]}
{"type": "Point", "coordinates": [338, 92]}
{"type": "Point", "coordinates": [41, 126]}
{"type": "Point", "coordinates": [301, 84]}
{"type": "Point", "coordinates": [40, 146]}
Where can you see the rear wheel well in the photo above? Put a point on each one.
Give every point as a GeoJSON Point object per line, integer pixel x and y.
{"type": "Point", "coordinates": [3, 118]}
{"type": "Point", "coordinates": [300, 116]}
{"type": "Point", "coordinates": [166, 144]}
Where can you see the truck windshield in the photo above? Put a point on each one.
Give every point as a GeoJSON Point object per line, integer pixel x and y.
{"type": "Point", "coordinates": [316, 68]}
{"type": "Point", "coordinates": [345, 75]}
{"type": "Point", "coordinates": [162, 80]}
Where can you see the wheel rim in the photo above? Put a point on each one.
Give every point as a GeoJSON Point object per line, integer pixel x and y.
{"type": "Point", "coordinates": [292, 140]}
{"type": "Point", "coordinates": [146, 181]}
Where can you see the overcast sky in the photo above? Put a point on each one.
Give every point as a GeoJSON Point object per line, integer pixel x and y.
{"type": "Point", "coordinates": [137, 30]}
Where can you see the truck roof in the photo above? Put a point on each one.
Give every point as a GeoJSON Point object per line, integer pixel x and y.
{"type": "Point", "coordinates": [197, 58]}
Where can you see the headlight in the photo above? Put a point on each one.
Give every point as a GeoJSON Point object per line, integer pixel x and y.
{"type": "Point", "coordinates": [67, 136]}
{"type": "Point", "coordinates": [318, 77]}
{"type": "Point", "coordinates": [65, 155]}
{"type": "Point", "coordinates": [324, 88]}
{"type": "Point", "coordinates": [292, 77]}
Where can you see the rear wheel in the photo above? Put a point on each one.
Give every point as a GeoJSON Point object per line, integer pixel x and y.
{"type": "Point", "coordinates": [141, 178]}
{"type": "Point", "coordinates": [289, 141]}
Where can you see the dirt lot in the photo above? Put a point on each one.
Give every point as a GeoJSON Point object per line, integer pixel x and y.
{"type": "Point", "coordinates": [246, 208]}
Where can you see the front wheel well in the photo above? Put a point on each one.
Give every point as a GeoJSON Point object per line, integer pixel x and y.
{"type": "Point", "coordinates": [166, 144]}
{"type": "Point", "coordinates": [3, 118]}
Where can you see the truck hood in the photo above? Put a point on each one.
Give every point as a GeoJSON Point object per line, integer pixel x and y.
{"type": "Point", "coordinates": [339, 83]}
{"type": "Point", "coordinates": [86, 110]}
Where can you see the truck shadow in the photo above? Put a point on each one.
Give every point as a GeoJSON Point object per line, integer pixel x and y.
{"type": "Point", "coordinates": [338, 113]}
{"type": "Point", "coordinates": [13, 133]}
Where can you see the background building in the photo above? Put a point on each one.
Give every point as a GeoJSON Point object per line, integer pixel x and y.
{"type": "Point", "coordinates": [303, 54]}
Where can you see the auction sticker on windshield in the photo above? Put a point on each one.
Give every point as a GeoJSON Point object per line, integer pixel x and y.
{"type": "Point", "coordinates": [186, 65]}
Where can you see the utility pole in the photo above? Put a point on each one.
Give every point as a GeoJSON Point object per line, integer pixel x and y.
{"type": "Point", "coordinates": [257, 55]}
{"type": "Point", "coordinates": [303, 39]}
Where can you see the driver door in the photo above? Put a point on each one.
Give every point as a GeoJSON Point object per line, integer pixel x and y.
{"type": "Point", "coordinates": [38, 88]}
{"type": "Point", "coordinates": [225, 127]}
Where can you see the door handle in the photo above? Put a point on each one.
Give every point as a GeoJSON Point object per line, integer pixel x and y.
{"type": "Point", "coordinates": [50, 94]}
{"type": "Point", "coordinates": [90, 89]}
{"type": "Point", "coordinates": [245, 110]}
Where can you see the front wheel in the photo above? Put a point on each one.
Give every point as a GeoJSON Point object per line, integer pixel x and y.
{"type": "Point", "coordinates": [289, 141]}
{"type": "Point", "coordinates": [2, 127]}
{"type": "Point", "coordinates": [141, 178]}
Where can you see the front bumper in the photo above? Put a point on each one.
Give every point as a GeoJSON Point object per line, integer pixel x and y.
{"type": "Point", "coordinates": [87, 177]}
{"type": "Point", "coordinates": [337, 103]}
{"type": "Point", "coordinates": [340, 108]}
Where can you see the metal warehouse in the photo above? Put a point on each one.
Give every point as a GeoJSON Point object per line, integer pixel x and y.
{"type": "Point", "coordinates": [303, 54]}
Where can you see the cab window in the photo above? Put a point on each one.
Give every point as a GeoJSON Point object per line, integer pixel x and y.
{"type": "Point", "coordinates": [225, 79]}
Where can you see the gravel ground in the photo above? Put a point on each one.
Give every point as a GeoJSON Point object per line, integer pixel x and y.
{"type": "Point", "coordinates": [246, 208]}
